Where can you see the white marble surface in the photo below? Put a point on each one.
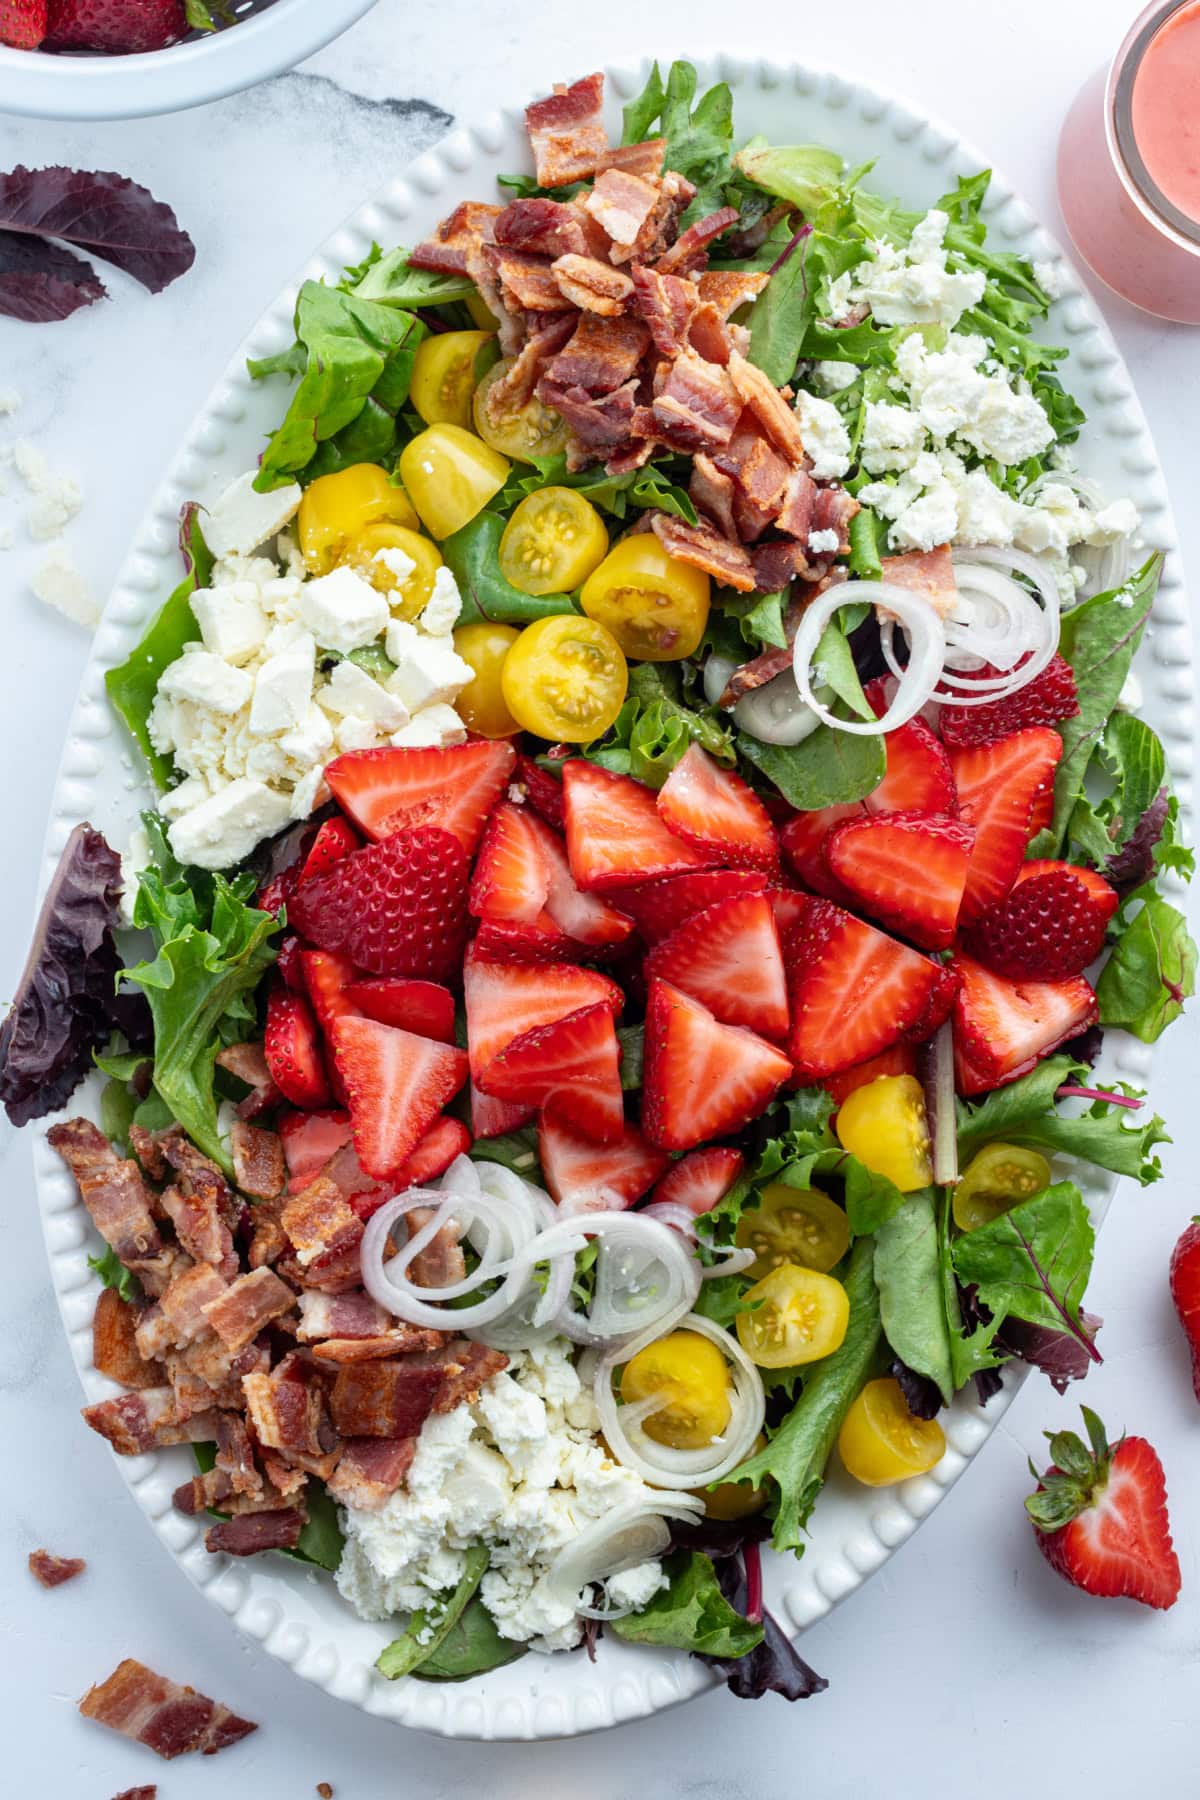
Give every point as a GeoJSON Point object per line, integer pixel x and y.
{"type": "Point", "coordinates": [965, 1664]}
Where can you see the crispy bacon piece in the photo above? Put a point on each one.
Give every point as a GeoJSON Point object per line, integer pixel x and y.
{"type": "Point", "coordinates": [370, 1471]}
{"type": "Point", "coordinates": [259, 1166]}
{"type": "Point", "coordinates": [929, 573]}
{"type": "Point", "coordinates": [181, 1310]}
{"type": "Point", "coordinates": [115, 1350]}
{"type": "Point", "coordinates": [545, 227]}
{"type": "Point", "coordinates": [287, 1413]}
{"type": "Point", "coordinates": [624, 204]}
{"type": "Point", "coordinates": [689, 252]}
{"type": "Point", "coordinates": [201, 1205]}
{"type": "Point", "coordinates": [146, 1148]}
{"type": "Point", "coordinates": [760, 475]}
{"type": "Point", "coordinates": [336, 1351]}
{"type": "Point", "coordinates": [833, 510]}
{"type": "Point", "coordinates": [441, 1261]}
{"type": "Point", "coordinates": [467, 1367]}
{"type": "Point", "coordinates": [710, 337]}
{"type": "Point", "coordinates": [727, 289]}
{"type": "Point", "coordinates": [696, 407]}
{"type": "Point", "coordinates": [769, 408]}
{"type": "Point", "coordinates": [249, 1064]}
{"type": "Point", "coordinates": [115, 1194]}
{"type": "Point", "coordinates": [169, 1719]}
{"type": "Point", "coordinates": [644, 159]}
{"type": "Point", "coordinates": [134, 1423]}
{"type": "Point", "coordinates": [138, 1793]}
{"type": "Point", "coordinates": [761, 669]}
{"type": "Point", "coordinates": [320, 1221]}
{"type": "Point", "coordinates": [599, 422]}
{"type": "Point", "coordinates": [566, 132]}
{"type": "Point", "coordinates": [666, 303]}
{"type": "Point", "coordinates": [268, 1240]}
{"type": "Point", "coordinates": [353, 1315]}
{"type": "Point", "coordinates": [248, 1533]}
{"type": "Point", "coordinates": [795, 515]}
{"type": "Point", "coordinates": [516, 385]}
{"type": "Point", "coordinates": [711, 492]}
{"type": "Point", "coordinates": [335, 1272]}
{"type": "Point", "coordinates": [448, 251]}
{"type": "Point", "coordinates": [601, 353]}
{"type": "Point", "coordinates": [247, 1306]}
{"type": "Point", "coordinates": [51, 1571]}
{"type": "Point", "coordinates": [592, 285]}
{"type": "Point", "coordinates": [776, 564]}
{"type": "Point", "coordinates": [703, 546]}
{"type": "Point", "coordinates": [525, 280]}
{"type": "Point", "coordinates": [385, 1399]}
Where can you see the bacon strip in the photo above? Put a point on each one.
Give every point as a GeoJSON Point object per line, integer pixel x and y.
{"type": "Point", "coordinates": [115, 1350]}
{"type": "Point", "coordinates": [929, 573]}
{"type": "Point", "coordinates": [247, 1307]}
{"type": "Point", "coordinates": [467, 1367]}
{"type": "Point", "coordinates": [545, 227]}
{"type": "Point", "coordinates": [248, 1533]}
{"type": "Point", "coordinates": [727, 289]}
{"type": "Point", "coordinates": [115, 1194]}
{"type": "Point", "coordinates": [448, 251]}
{"type": "Point", "coordinates": [389, 1399]}
{"type": "Point", "coordinates": [592, 285]}
{"type": "Point", "coordinates": [319, 1221]}
{"type": "Point", "coordinates": [134, 1423]}
{"type": "Point", "coordinates": [138, 1793]}
{"type": "Point", "coordinates": [795, 515]}
{"type": "Point", "coordinates": [696, 407]}
{"type": "Point", "coordinates": [370, 1471]}
{"type": "Point", "coordinates": [644, 159]}
{"type": "Point", "coordinates": [623, 204]}
{"type": "Point", "coordinates": [667, 304]}
{"type": "Point", "coordinates": [704, 547]}
{"type": "Point", "coordinates": [169, 1719]}
{"type": "Point", "coordinates": [689, 252]}
{"type": "Point", "coordinates": [516, 385]}
{"type": "Point", "coordinates": [181, 1311]}
{"type": "Point", "coordinates": [566, 132]}
{"type": "Point", "coordinates": [769, 407]}
{"type": "Point", "coordinates": [51, 1571]}
{"type": "Point", "coordinates": [526, 280]}
{"type": "Point", "coordinates": [248, 1063]}
{"type": "Point", "coordinates": [711, 492]}
{"type": "Point", "coordinates": [599, 422]}
{"type": "Point", "coordinates": [833, 510]}
{"type": "Point", "coordinates": [777, 564]}
{"type": "Point", "coordinates": [353, 1315]}
{"type": "Point", "coordinates": [601, 353]}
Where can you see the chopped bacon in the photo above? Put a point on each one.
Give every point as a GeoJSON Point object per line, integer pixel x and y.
{"type": "Point", "coordinates": [644, 159]}
{"type": "Point", "coordinates": [448, 251]}
{"type": "Point", "coordinates": [760, 473]}
{"type": "Point", "coordinates": [566, 132]}
{"type": "Point", "coordinates": [182, 1309]}
{"type": "Point", "coordinates": [545, 227]}
{"type": "Point", "coordinates": [52, 1570]}
{"type": "Point", "coordinates": [235, 1454]}
{"type": "Point", "coordinates": [247, 1306]}
{"type": "Point", "coordinates": [287, 1413]}
{"type": "Point", "coordinates": [373, 1349]}
{"type": "Point", "coordinates": [625, 205]}
{"type": "Point", "coordinates": [833, 510]}
{"type": "Point", "coordinates": [666, 303]}
{"type": "Point", "coordinates": [710, 337]}
{"type": "Point", "coordinates": [115, 1193]}
{"type": "Point", "coordinates": [929, 573]}
{"type": "Point", "coordinates": [340, 1316]}
{"type": "Point", "coordinates": [696, 407]}
{"type": "Point", "coordinates": [755, 674]}
{"type": "Point", "coordinates": [592, 285]}
{"type": "Point", "coordinates": [441, 1261]}
{"type": "Point", "coordinates": [146, 1148]}
{"type": "Point", "coordinates": [599, 422]}
{"type": "Point", "coordinates": [333, 1272]}
{"type": "Point", "coordinates": [466, 1369]}
{"type": "Point", "coordinates": [268, 1240]}
{"type": "Point", "coordinates": [727, 289]}
{"type": "Point", "coordinates": [115, 1351]}
{"type": "Point", "coordinates": [133, 1423]}
{"type": "Point", "coordinates": [601, 353]}
{"type": "Point", "coordinates": [703, 546]}
{"type": "Point", "coordinates": [777, 564]}
{"type": "Point", "coordinates": [164, 1716]}
{"type": "Point", "coordinates": [259, 1167]}
{"type": "Point", "coordinates": [370, 1471]}
{"type": "Point", "coordinates": [319, 1221]}
{"type": "Point", "coordinates": [689, 252]}
{"type": "Point", "coordinates": [386, 1399]}
{"type": "Point", "coordinates": [144, 1792]}
{"type": "Point", "coordinates": [201, 1205]}
{"type": "Point", "coordinates": [769, 408]}
{"type": "Point", "coordinates": [526, 280]}
{"type": "Point", "coordinates": [711, 492]}
{"type": "Point", "coordinates": [249, 1064]}
{"type": "Point", "coordinates": [795, 515]}
{"type": "Point", "coordinates": [516, 385]}
{"type": "Point", "coordinates": [248, 1533]}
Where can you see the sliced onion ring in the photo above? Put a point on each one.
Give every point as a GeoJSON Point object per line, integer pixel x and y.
{"type": "Point", "coordinates": [917, 681]}
{"type": "Point", "coordinates": [998, 621]}
{"type": "Point", "coordinates": [630, 1249]}
{"type": "Point", "coordinates": [629, 1535]}
{"type": "Point", "coordinates": [681, 1218]}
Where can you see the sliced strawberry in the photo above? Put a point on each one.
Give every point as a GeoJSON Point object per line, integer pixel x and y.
{"type": "Point", "coordinates": [396, 908]}
{"type": "Point", "coordinates": [571, 1067]}
{"type": "Point", "coordinates": [507, 940]}
{"type": "Point", "coordinates": [328, 978]}
{"type": "Point", "coordinates": [445, 1140]}
{"type": "Point", "coordinates": [919, 775]}
{"type": "Point", "coordinates": [854, 991]}
{"type": "Point", "coordinates": [1047, 699]}
{"type": "Point", "coordinates": [701, 1179]}
{"type": "Point", "coordinates": [1002, 1029]}
{"type": "Point", "coordinates": [506, 999]}
{"type": "Point", "coordinates": [997, 785]}
{"type": "Point", "coordinates": [1042, 815]}
{"type": "Point", "coordinates": [901, 1059]}
{"type": "Point", "coordinates": [658, 907]}
{"type": "Point", "coordinates": [293, 1050]}
{"type": "Point", "coordinates": [587, 1177]}
{"type": "Point", "coordinates": [335, 839]}
{"type": "Point", "coordinates": [310, 1140]}
{"type": "Point", "coordinates": [397, 1084]}
{"type": "Point", "coordinates": [714, 811]}
{"type": "Point", "coordinates": [290, 964]}
{"type": "Point", "coordinates": [421, 1006]}
{"type": "Point", "coordinates": [386, 791]}
{"type": "Point", "coordinates": [908, 870]}
{"type": "Point", "coordinates": [730, 958]}
{"type": "Point", "coordinates": [275, 894]}
{"type": "Point", "coordinates": [802, 839]}
{"type": "Point", "coordinates": [586, 918]}
{"type": "Point", "coordinates": [22, 23]}
{"type": "Point", "coordinates": [702, 1079]}
{"type": "Point", "coordinates": [494, 1118]}
{"type": "Point", "coordinates": [512, 875]}
{"type": "Point", "coordinates": [614, 833]}
{"type": "Point", "coordinates": [543, 791]}
{"type": "Point", "coordinates": [1050, 927]}
{"type": "Point", "coordinates": [788, 905]}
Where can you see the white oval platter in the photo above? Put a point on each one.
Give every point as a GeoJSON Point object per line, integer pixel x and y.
{"type": "Point", "coordinates": [295, 1616]}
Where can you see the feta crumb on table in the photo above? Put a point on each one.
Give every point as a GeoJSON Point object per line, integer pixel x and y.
{"type": "Point", "coordinates": [58, 582]}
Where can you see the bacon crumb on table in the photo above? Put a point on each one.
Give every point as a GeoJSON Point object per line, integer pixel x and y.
{"type": "Point", "coordinates": [53, 1570]}
{"type": "Point", "coordinates": [165, 1716]}
{"type": "Point", "coordinates": [325, 1790]}
{"type": "Point", "coordinates": [138, 1793]}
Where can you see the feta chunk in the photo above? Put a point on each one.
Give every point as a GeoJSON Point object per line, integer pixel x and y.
{"type": "Point", "coordinates": [342, 610]}
{"type": "Point", "coordinates": [636, 1587]}
{"type": "Point", "coordinates": [394, 560]}
{"type": "Point", "coordinates": [206, 680]}
{"type": "Point", "coordinates": [351, 692]}
{"type": "Point", "coordinates": [232, 624]}
{"type": "Point", "coordinates": [912, 286]}
{"type": "Point", "coordinates": [57, 582]}
{"type": "Point", "coordinates": [225, 828]}
{"type": "Point", "coordinates": [892, 439]}
{"type": "Point", "coordinates": [826, 439]}
{"type": "Point", "coordinates": [242, 519]}
{"type": "Point", "coordinates": [835, 377]}
{"type": "Point", "coordinates": [283, 689]}
{"type": "Point", "coordinates": [434, 727]}
{"type": "Point", "coordinates": [823, 542]}
{"type": "Point", "coordinates": [308, 742]}
{"type": "Point", "coordinates": [179, 800]}
{"type": "Point", "coordinates": [352, 733]}
{"type": "Point", "coordinates": [428, 669]}
{"type": "Point", "coordinates": [440, 613]}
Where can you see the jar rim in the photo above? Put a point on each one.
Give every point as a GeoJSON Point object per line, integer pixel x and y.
{"type": "Point", "coordinates": [1127, 158]}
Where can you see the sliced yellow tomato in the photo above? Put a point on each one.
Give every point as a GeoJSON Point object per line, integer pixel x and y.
{"type": "Point", "coordinates": [655, 606]}
{"type": "Point", "coordinates": [443, 376]}
{"type": "Point", "coordinates": [552, 543]}
{"type": "Point", "coordinates": [881, 1442]}
{"type": "Point", "coordinates": [565, 679]}
{"type": "Point", "coordinates": [409, 593]}
{"type": "Point", "coordinates": [690, 1379]}
{"type": "Point", "coordinates": [998, 1177]}
{"type": "Point", "coordinates": [884, 1125]}
{"type": "Point", "coordinates": [480, 705]}
{"type": "Point", "coordinates": [521, 432]}
{"type": "Point", "coordinates": [735, 1499]}
{"type": "Point", "coordinates": [482, 313]}
{"type": "Point", "coordinates": [336, 509]}
{"type": "Point", "coordinates": [793, 1225]}
{"type": "Point", "coordinates": [450, 475]}
{"type": "Point", "coordinates": [793, 1315]}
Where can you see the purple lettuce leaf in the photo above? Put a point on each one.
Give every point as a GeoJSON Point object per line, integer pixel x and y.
{"type": "Point", "coordinates": [719, 1538]}
{"type": "Point", "coordinates": [1133, 863]}
{"type": "Point", "coordinates": [40, 282]}
{"type": "Point", "coordinates": [775, 1666]}
{"type": "Point", "coordinates": [921, 1395]}
{"type": "Point", "coordinates": [100, 214]}
{"type": "Point", "coordinates": [1056, 1353]}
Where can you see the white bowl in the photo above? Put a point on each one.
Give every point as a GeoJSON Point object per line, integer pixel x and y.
{"type": "Point", "coordinates": [275, 36]}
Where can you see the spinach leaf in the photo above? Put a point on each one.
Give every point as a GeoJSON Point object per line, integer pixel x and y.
{"type": "Point", "coordinates": [794, 1460]}
{"type": "Point", "coordinates": [429, 1627]}
{"type": "Point", "coordinates": [654, 728]}
{"type": "Point", "coordinates": [1033, 1263]}
{"type": "Point", "coordinates": [829, 768]}
{"type": "Point", "coordinates": [691, 1614]}
{"type": "Point", "coordinates": [320, 1541]}
{"type": "Point", "coordinates": [759, 619]}
{"type": "Point", "coordinates": [387, 278]}
{"type": "Point", "coordinates": [132, 685]}
{"type": "Point", "coordinates": [912, 1306]}
{"type": "Point", "coordinates": [114, 1274]}
{"type": "Point", "coordinates": [472, 556]}
{"type": "Point", "coordinates": [516, 1150]}
{"type": "Point", "coordinates": [1025, 1112]}
{"type": "Point", "coordinates": [471, 1647]}
{"type": "Point", "coordinates": [1152, 968]}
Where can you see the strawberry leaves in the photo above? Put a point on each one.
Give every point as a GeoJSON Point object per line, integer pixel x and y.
{"type": "Point", "coordinates": [97, 212]}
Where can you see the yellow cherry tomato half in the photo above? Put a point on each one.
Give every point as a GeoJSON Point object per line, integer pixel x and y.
{"type": "Point", "coordinates": [655, 606]}
{"type": "Point", "coordinates": [521, 432]}
{"type": "Point", "coordinates": [883, 1123]}
{"type": "Point", "coordinates": [408, 593]}
{"type": "Point", "coordinates": [482, 313]}
{"type": "Point", "coordinates": [881, 1442]}
{"type": "Point", "coordinates": [443, 376]}
{"type": "Point", "coordinates": [793, 1225]}
{"type": "Point", "coordinates": [997, 1178]}
{"type": "Point", "coordinates": [552, 543]}
{"type": "Point", "coordinates": [565, 679]}
{"type": "Point", "coordinates": [793, 1315]}
{"type": "Point", "coordinates": [689, 1378]}
{"type": "Point", "coordinates": [336, 509]}
{"type": "Point", "coordinates": [734, 1499]}
{"type": "Point", "coordinates": [480, 705]}
{"type": "Point", "coordinates": [449, 476]}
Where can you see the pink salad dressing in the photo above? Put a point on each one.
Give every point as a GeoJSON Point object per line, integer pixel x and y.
{"type": "Point", "coordinates": [1166, 110]}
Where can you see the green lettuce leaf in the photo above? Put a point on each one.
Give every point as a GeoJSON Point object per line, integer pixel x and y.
{"type": "Point", "coordinates": [1032, 1263]}
{"type": "Point", "coordinates": [654, 728]}
{"type": "Point", "coordinates": [320, 1541]}
{"type": "Point", "coordinates": [912, 1301]}
{"type": "Point", "coordinates": [691, 1614]}
{"type": "Point", "coordinates": [639, 489]}
{"type": "Point", "coordinates": [1126, 819]}
{"type": "Point", "coordinates": [828, 769]}
{"type": "Point", "coordinates": [114, 1274]}
{"type": "Point", "coordinates": [472, 556]}
{"type": "Point", "coordinates": [1026, 1112]}
{"type": "Point", "coordinates": [802, 174]}
{"type": "Point", "coordinates": [387, 278]}
{"type": "Point", "coordinates": [429, 1627]}
{"type": "Point", "coordinates": [699, 138]}
{"type": "Point", "coordinates": [1151, 970]}
{"type": "Point", "coordinates": [470, 1647]}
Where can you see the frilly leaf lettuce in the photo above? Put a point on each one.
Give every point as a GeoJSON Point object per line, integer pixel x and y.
{"type": "Point", "coordinates": [114, 1274]}
{"type": "Point", "coordinates": [387, 278]}
{"type": "Point", "coordinates": [654, 728]}
{"type": "Point", "coordinates": [699, 138]}
{"type": "Point", "coordinates": [1027, 1112]}
{"type": "Point", "coordinates": [801, 174]}
{"type": "Point", "coordinates": [1131, 829]}
{"type": "Point", "coordinates": [1152, 968]}
{"type": "Point", "coordinates": [691, 1613]}
{"type": "Point", "coordinates": [640, 489]}
{"type": "Point", "coordinates": [1032, 1263]}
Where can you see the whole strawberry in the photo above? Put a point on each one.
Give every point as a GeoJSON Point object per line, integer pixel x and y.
{"type": "Point", "coordinates": [115, 27]}
{"type": "Point", "coordinates": [396, 908]}
{"type": "Point", "coordinates": [22, 23]}
{"type": "Point", "coordinates": [1185, 1292]}
{"type": "Point", "coordinates": [1049, 928]}
{"type": "Point", "coordinates": [1100, 1516]}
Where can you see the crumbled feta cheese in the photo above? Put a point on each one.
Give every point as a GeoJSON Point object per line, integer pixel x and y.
{"type": "Point", "coordinates": [283, 689]}
{"type": "Point", "coordinates": [892, 438]}
{"type": "Point", "coordinates": [226, 827]}
{"type": "Point", "coordinates": [206, 680]}
{"type": "Point", "coordinates": [434, 727]}
{"type": "Point", "coordinates": [232, 624]}
{"type": "Point", "coordinates": [310, 791]}
{"type": "Point", "coordinates": [178, 800]}
{"type": "Point", "coordinates": [428, 669]}
{"type": "Point", "coordinates": [826, 439]}
{"type": "Point", "coordinates": [351, 691]}
{"type": "Point", "coordinates": [912, 286]}
{"type": "Point", "coordinates": [58, 582]}
{"type": "Point", "coordinates": [954, 398]}
{"type": "Point", "coordinates": [440, 613]}
{"type": "Point", "coordinates": [835, 377]}
{"type": "Point", "coordinates": [308, 742]}
{"type": "Point", "coordinates": [823, 542]}
{"type": "Point", "coordinates": [56, 498]}
{"type": "Point", "coordinates": [636, 1587]}
{"type": "Point", "coordinates": [352, 733]}
{"type": "Point", "coordinates": [394, 560]}
{"type": "Point", "coordinates": [342, 610]}
{"type": "Point", "coordinates": [242, 519]}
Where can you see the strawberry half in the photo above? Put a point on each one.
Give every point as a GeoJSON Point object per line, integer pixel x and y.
{"type": "Point", "coordinates": [445, 1140]}
{"type": "Point", "coordinates": [328, 979]}
{"type": "Point", "coordinates": [508, 940]}
{"type": "Point", "coordinates": [543, 791]}
{"type": "Point", "coordinates": [396, 1084]}
{"type": "Point", "coordinates": [386, 791]}
{"type": "Point", "coordinates": [907, 869]}
{"type": "Point", "coordinates": [855, 991]}
{"type": "Point", "coordinates": [334, 840]}
{"type": "Point", "coordinates": [512, 874]}
{"type": "Point", "coordinates": [293, 1050]}
{"type": "Point", "coordinates": [493, 1118]}
{"type": "Point", "coordinates": [802, 840]}
{"type": "Point", "coordinates": [919, 776]}
{"type": "Point", "coordinates": [421, 1006]}
{"type": "Point", "coordinates": [1185, 1292]}
{"type": "Point", "coordinates": [571, 1067]}
{"type": "Point", "coordinates": [115, 27]}
{"type": "Point", "coordinates": [587, 1177]}
{"type": "Point", "coordinates": [396, 908]}
{"type": "Point", "coordinates": [1100, 1517]}
{"type": "Point", "coordinates": [714, 811]}
{"type": "Point", "coordinates": [506, 999]}
{"type": "Point", "coordinates": [901, 1059]}
{"type": "Point", "coordinates": [614, 833]}
{"type": "Point", "coordinates": [701, 1179]}
{"type": "Point", "coordinates": [22, 23]}
{"type": "Point", "coordinates": [729, 957]}
{"type": "Point", "coordinates": [997, 787]}
{"type": "Point", "coordinates": [310, 1140]}
{"type": "Point", "coordinates": [1050, 927]}
{"type": "Point", "coordinates": [1003, 1029]}
{"type": "Point", "coordinates": [1047, 699]}
{"type": "Point", "coordinates": [702, 1079]}
{"type": "Point", "coordinates": [659, 907]}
